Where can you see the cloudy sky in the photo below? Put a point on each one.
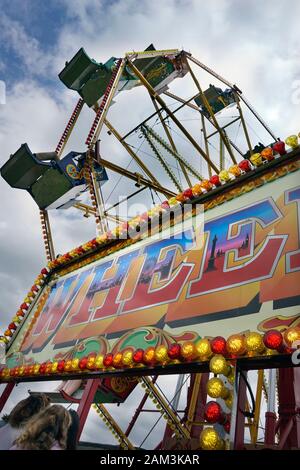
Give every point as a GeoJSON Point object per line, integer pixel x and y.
{"type": "Point", "coordinates": [254, 44]}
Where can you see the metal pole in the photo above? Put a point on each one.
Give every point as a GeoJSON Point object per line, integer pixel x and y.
{"type": "Point", "coordinates": [221, 154]}
{"type": "Point", "coordinates": [179, 384]}
{"type": "Point", "coordinates": [139, 410]}
{"type": "Point", "coordinates": [201, 398]}
{"type": "Point", "coordinates": [170, 138]}
{"type": "Point", "coordinates": [86, 401]}
{"type": "Point", "coordinates": [184, 103]}
{"type": "Point", "coordinates": [256, 115]}
{"type": "Point", "coordinates": [255, 421]}
{"type": "Point", "coordinates": [224, 127]}
{"type": "Point", "coordinates": [171, 114]}
{"type": "Point", "coordinates": [207, 105]}
{"type": "Point", "coordinates": [243, 123]}
{"type": "Point", "coordinates": [233, 87]}
{"type": "Point", "coordinates": [111, 93]}
{"type": "Point", "coordinates": [161, 160]}
{"type": "Point", "coordinates": [206, 142]}
{"type": "Point", "coordinates": [207, 69]}
{"type": "Point", "coordinates": [270, 414]}
{"type": "Point", "coordinates": [137, 177]}
{"type": "Point", "coordinates": [130, 151]}
{"type": "Point", "coordinates": [196, 108]}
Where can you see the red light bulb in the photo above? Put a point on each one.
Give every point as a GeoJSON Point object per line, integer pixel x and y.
{"type": "Point", "coordinates": [218, 345]}
{"type": "Point", "coordinates": [215, 180]}
{"type": "Point", "coordinates": [273, 339]}
{"type": "Point", "coordinates": [108, 360]}
{"type": "Point", "coordinates": [279, 147]}
{"type": "Point", "coordinates": [42, 369]}
{"type": "Point", "coordinates": [61, 366]}
{"type": "Point", "coordinates": [245, 165]}
{"type": "Point", "coordinates": [188, 194]}
{"type": "Point", "coordinates": [138, 356]}
{"type": "Point", "coordinates": [82, 363]}
{"type": "Point", "coordinates": [212, 412]}
{"type": "Point", "coordinates": [174, 351]}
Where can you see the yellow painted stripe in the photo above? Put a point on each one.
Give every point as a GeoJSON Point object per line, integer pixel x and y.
{"type": "Point", "coordinates": [163, 51]}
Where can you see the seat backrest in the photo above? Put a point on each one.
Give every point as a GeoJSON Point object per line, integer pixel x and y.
{"type": "Point", "coordinates": [78, 71]}
{"type": "Point", "coordinates": [50, 187]}
{"type": "Point", "coordinates": [23, 168]}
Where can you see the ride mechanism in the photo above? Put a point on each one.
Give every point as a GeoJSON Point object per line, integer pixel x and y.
{"type": "Point", "coordinates": [218, 306]}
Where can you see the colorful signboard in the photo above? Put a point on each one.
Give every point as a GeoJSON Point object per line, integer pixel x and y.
{"type": "Point", "coordinates": [236, 270]}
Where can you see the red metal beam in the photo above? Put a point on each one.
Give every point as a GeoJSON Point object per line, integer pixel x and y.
{"type": "Point", "coordinates": [289, 408]}
{"type": "Point", "coordinates": [138, 411]}
{"type": "Point", "coordinates": [270, 428]}
{"type": "Point", "coordinates": [5, 394]}
{"type": "Point", "coordinates": [85, 402]}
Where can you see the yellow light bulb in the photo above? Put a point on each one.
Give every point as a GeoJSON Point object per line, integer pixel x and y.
{"type": "Point", "coordinates": [218, 365]}
{"type": "Point", "coordinates": [99, 361]}
{"type": "Point", "coordinates": [172, 201]}
{"type": "Point", "coordinates": [254, 343]}
{"type": "Point", "coordinates": [215, 387]}
{"type": "Point", "coordinates": [127, 358]}
{"type": "Point", "coordinates": [197, 190]}
{"type": "Point", "coordinates": [203, 349]}
{"type": "Point", "coordinates": [224, 176]}
{"type": "Point", "coordinates": [188, 350]}
{"type": "Point", "coordinates": [161, 354]}
{"type": "Point", "coordinates": [68, 365]}
{"type": "Point", "coordinates": [117, 360]}
{"type": "Point", "coordinates": [75, 364]}
{"type": "Point", "coordinates": [210, 440]}
{"type": "Point", "coordinates": [291, 335]}
{"type": "Point", "coordinates": [256, 159]}
{"type": "Point", "coordinates": [236, 345]}
{"type": "Point", "coordinates": [292, 141]}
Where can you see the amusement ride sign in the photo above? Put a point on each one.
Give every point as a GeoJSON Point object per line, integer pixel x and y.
{"type": "Point", "coordinates": [233, 270]}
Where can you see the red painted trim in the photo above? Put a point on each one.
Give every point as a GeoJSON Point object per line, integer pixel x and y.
{"type": "Point", "coordinates": [289, 406]}
{"type": "Point", "coordinates": [69, 398]}
{"type": "Point", "coordinates": [270, 428]}
{"type": "Point", "coordinates": [6, 394]}
{"type": "Point", "coordinates": [138, 410]}
{"type": "Point", "coordinates": [85, 402]}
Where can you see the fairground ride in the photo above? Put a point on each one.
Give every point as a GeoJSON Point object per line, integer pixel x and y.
{"type": "Point", "coordinates": [204, 284]}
